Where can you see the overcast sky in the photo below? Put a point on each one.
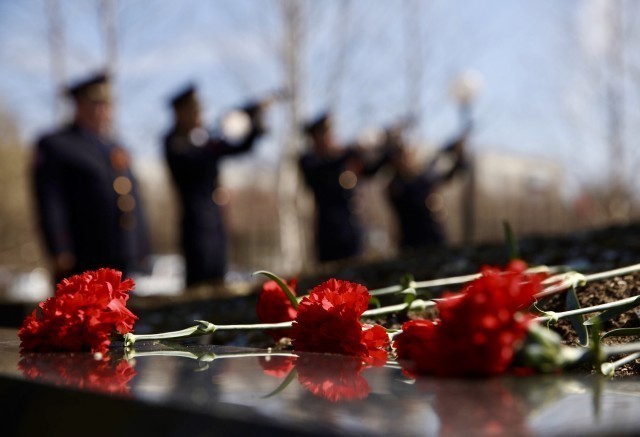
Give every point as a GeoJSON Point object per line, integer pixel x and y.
{"type": "Point", "coordinates": [373, 61]}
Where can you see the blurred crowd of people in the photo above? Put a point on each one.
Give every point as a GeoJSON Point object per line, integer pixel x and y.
{"type": "Point", "coordinates": [91, 215]}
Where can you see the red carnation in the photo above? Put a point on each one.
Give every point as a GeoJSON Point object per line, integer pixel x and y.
{"type": "Point", "coordinates": [415, 335]}
{"type": "Point", "coordinates": [274, 307]}
{"type": "Point", "coordinates": [478, 331]}
{"type": "Point", "coordinates": [328, 321]}
{"type": "Point", "coordinates": [85, 311]}
{"type": "Point", "coordinates": [335, 378]}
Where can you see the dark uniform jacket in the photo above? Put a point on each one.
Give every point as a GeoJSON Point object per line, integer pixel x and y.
{"type": "Point", "coordinates": [194, 169]}
{"type": "Point", "coordinates": [408, 196]}
{"type": "Point", "coordinates": [338, 230]}
{"type": "Point", "coordinates": [77, 179]}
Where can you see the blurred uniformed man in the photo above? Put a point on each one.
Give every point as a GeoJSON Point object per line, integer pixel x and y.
{"type": "Point", "coordinates": [333, 172]}
{"type": "Point", "coordinates": [87, 197]}
{"type": "Point", "coordinates": [193, 158]}
{"type": "Point", "coordinates": [412, 191]}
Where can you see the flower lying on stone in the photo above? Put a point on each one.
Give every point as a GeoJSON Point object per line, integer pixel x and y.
{"type": "Point", "coordinates": [485, 330]}
{"type": "Point", "coordinates": [84, 313]}
{"type": "Point", "coordinates": [274, 307]}
{"type": "Point", "coordinates": [478, 332]}
{"type": "Point", "coordinates": [328, 321]}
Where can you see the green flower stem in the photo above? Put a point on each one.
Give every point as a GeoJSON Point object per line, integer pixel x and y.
{"type": "Point", "coordinates": [132, 353]}
{"type": "Point", "coordinates": [620, 349]}
{"type": "Point", "coordinates": [633, 349]}
{"type": "Point", "coordinates": [385, 310]}
{"type": "Point", "coordinates": [386, 290]}
{"type": "Point", "coordinates": [416, 304]}
{"type": "Point", "coordinates": [561, 283]}
{"type": "Point", "coordinates": [553, 316]}
{"type": "Point", "coordinates": [425, 284]}
{"type": "Point", "coordinates": [455, 280]}
{"type": "Point", "coordinates": [202, 328]}
{"type": "Point", "coordinates": [284, 384]}
{"type": "Point", "coordinates": [574, 278]}
{"type": "Point", "coordinates": [283, 286]}
{"type": "Point", "coordinates": [257, 354]}
{"type": "Point", "coordinates": [282, 325]}
{"type": "Point", "coordinates": [609, 368]}
{"type": "Point", "coordinates": [206, 357]}
{"type": "Point", "coordinates": [445, 281]}
{"type": "Point", "coordinates": [611, 273]}
{"type": "Point", "coordinates": [194, 331]}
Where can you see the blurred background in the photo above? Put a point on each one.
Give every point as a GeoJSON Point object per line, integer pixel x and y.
{"type": "Point", "coordinates": [551, 87]}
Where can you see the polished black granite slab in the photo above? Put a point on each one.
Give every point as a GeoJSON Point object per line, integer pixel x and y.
{"type": "Point", "coordinates": [193, 390]}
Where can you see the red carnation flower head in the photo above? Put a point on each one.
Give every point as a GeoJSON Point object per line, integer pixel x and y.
{"type": "Point", "coordinates": [478, 331]}
{"type": "Point", "coordinates": [328, 321]}
{"type": "Point", "coordinates": [274, 307]}
{"type": "Point", "coordinates": [417, 340]}
{"type": "Point", "coordinates": [83, 314]}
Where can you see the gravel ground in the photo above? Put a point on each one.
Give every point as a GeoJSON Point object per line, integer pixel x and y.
{"type": "Point", "coordinates": [595, 293]}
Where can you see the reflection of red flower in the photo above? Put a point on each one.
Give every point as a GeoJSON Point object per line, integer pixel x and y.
{"type": "Point", "coordinates": [477, 332]}
{"type": "Point", "coordinates": [335, 378]}
{"type": "Point", "coordinates": [277, 366]}
{"type": "Point", "coordinates": [329, 321]}
{"type": "Point", "coordinates": [274, 307]}
{"type": "Point", "coordinates": [83, 314]}
{"type": "Point", "coordinates": [492, 410]}
{"type": "Point", "coordinates": [78, 371]}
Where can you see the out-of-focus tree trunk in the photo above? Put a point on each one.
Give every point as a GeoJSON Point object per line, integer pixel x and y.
{"type": "Point", "coordinates": [615, 107]}
{"type": "Point", "coordinates": [109, 34]}
{"type": "Point", "coordinates": [292, 237]}
{"type": "Point", "coordinates": [56, 54]}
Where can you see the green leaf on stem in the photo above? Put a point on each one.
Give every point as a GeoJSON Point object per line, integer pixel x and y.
{"type": "Point", "coordinates": [543, 351]}
{"type": "Point", "coordinates": [374, 301]}
{"type": "Point", "coordinates": [282, 284]}
{"type": "Point", "coordinates": [409, 296]}
{"type": "Point", "coordinates": [284, 384]}
{"type": "Point", "coordinates": [595, 346]}
{"type": "Point", "coordinates": [577, 320]}
{"type": "Point", "coordinates": [407, 281]}
{"type": "Point", "coordinates": [597, 388]}
{"type": "Point", "coordinates": [622, 332]}
{"type": "Point", "coordinates": [613, 312]}
{"type": "Point", "coordinates": [512, 244]}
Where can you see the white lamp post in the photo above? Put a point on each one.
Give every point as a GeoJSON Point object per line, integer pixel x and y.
{"type": "Point", "coordinates": [464, 90]}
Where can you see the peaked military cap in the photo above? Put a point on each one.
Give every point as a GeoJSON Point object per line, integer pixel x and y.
{"type": "Point", "coordinates": [186, 96]}
{"type": "Point", "coordinates": [321, 123]}
{"type": "Point", "coordinates": [96, 88]}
